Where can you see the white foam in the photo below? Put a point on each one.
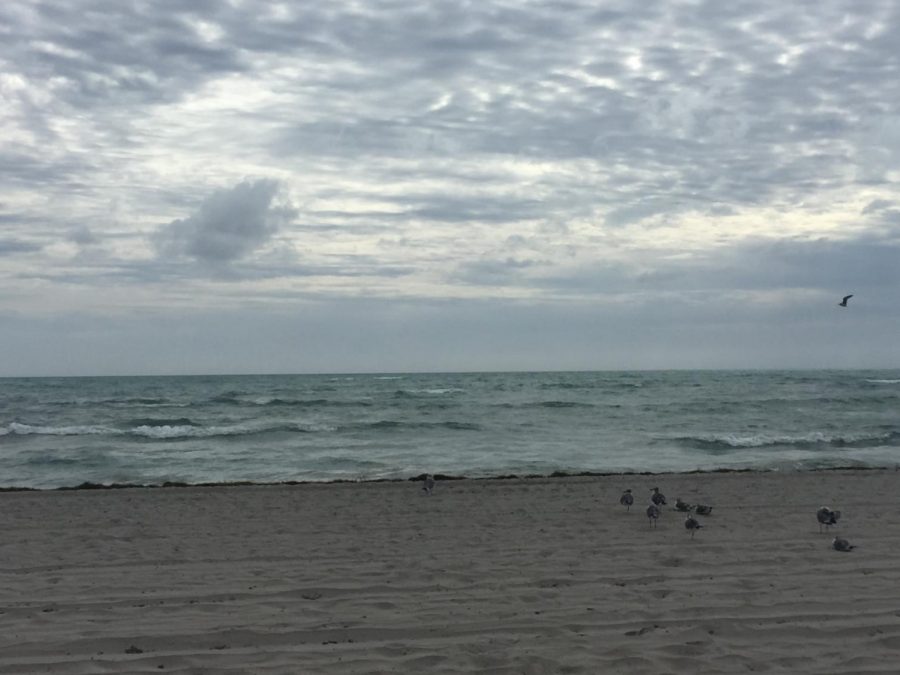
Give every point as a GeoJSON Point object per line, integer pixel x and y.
{"type": "Point", "coordinates": [83, 430]}
{"type": "Point", "coordinates": [762, 440]}
{"type": "Point", "coordinates": [168, 431]}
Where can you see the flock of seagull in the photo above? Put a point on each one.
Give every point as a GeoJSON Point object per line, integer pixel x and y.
{"type": "Point", "coordinates": [825, 515]}
{"type": "Point", "coordinates": [658, 499]}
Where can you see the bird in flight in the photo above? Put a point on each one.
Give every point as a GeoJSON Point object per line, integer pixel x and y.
{"type": "Point", "coordinates": [843, 303]}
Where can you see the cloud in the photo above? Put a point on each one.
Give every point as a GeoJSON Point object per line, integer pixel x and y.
{"type": "Point", "coordinates": [638, 154]}
{"type": "Point", "coordinates": [83, 236]}
{"type": "Point", "coordinates": [229, 225]}
{"type": "Point", "coordinates": [13, 246]}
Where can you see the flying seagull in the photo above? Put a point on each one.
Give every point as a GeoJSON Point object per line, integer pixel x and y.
{"type": "Point", "coordinates": [827, 517]}
{"type": "Point", "coordinates": [626, 500]}
{"type": "Point", "coordinates": [658, 497]}
{"type": "Point", "coordinates": [692, 524]}
{"type": "Point", "coordinates": [843, 303]}
{"type": "Point", "coordinates": [842, 545]}
{"type": "Point", "coordinates": [653, 514]}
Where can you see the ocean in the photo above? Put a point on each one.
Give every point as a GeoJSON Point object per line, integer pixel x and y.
{"type": "Point", "coordinates": [62, 432]}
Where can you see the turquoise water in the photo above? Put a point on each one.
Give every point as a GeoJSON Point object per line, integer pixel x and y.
{"type": "Point", "coordinates": [64, 431]}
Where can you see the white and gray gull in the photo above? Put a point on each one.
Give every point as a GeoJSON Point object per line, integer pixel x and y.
{"type": "Point", "coordinates": [626, 500]}
{"type": "Point", "coordinates": [692, 524]}
{"type": "Point", "coordinates": [658, 497]}
{"type": "Point", "coordinates": [653, 514]}
{"type": "Point", "coordinates": [839, 544]}
{"type": "Point", "coordinates": [682, 506]}
{"type": "Point", "coordinates": [827, 517]}
{"type": "Point", "coordinates": [428, 486]}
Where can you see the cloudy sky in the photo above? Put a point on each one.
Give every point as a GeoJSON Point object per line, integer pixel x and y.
{"type": "Point", "coordinates": [252, 186]}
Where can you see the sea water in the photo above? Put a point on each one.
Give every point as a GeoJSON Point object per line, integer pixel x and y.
{"type": "Point", "coordinates": [66, 431]}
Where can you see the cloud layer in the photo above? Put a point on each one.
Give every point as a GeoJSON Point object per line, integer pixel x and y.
{"type": "Point", "coordinates": [740, 157]}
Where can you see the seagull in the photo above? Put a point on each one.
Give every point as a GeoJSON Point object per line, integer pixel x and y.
{"type": "Point", "coordinates": [653, 514]}
{"type": "Point", "coordinates": [692, 524]}
{"type": "Point", "coordinates": [428, 487]}
{"type": "Point", "coordinates": [843, 303]}
{"type": "Point", "coordinates": [626, 500]}
{"type": "Point", "coordinates": [827, 517]}
{"type": "Point", "coordinates": [842, 545]}
{"type": "Point", "coordinates": [658, 497]}
{"type": "Point", "coordinates": [682, 506]}
{"type": "Point", "coordinates": [703, 509]}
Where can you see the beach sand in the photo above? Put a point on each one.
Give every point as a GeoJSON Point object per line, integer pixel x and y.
{"type": "Point", "coordinates": [542, 575]}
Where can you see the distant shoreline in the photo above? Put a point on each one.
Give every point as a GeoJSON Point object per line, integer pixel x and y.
{"type": "Point", "coordinates": [87, 485]}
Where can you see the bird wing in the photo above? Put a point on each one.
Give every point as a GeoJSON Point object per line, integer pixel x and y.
{"type": "Point", "coordinates": [847, 297]}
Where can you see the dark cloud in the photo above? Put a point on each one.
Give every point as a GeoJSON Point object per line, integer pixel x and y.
{"type": "Point", "coordinates": [879, 206]}
{"type": "Point", "coordinates": [13, 246]}
{"type": "Point", "coordinates": [494, 272]}
{"type": "Point", "coordinates": [101, 52]}
{"type": "Point", "coordinates": [229, 225]}
{"type": "Point", "coordinates": [83, 236]}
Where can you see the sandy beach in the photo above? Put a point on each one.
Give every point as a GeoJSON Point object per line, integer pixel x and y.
{"type": "Point", "coordinates": [542, 575]}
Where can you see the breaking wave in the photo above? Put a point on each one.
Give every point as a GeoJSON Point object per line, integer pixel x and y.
{"type": "Point", "coordinates": [726, 442]}
{"type": "Point", "coordinates": [160, 431]}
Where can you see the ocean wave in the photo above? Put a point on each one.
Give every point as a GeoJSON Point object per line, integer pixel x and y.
{"type": "Point", "coordinates": [137, 401]}
{"type": "Point", "coordinates": [160, 430]}
{"type": "Point", "coordinates": [232, 396]}
{"type": "Point", "coordinates": [873, 381]}
{"type": "Point", "coordinates": [428, 391]}
{"type": "Point", "coordinates": [19, 429]}
{"type": "Point", "coordinates": [85, 458]}
{"type": "Point", "coordinates": [559, 404]}
{"type": "Point", "coordinates": [309, 403]}
{"type": "Point", "coordinates": [392, 425]}
{"type": "Point", "coordinates": [726, 442]}
{"type": "Point", "coordinates": [168, 432]}
{"type": "Point", "coordinates": [553, 404]}
{"type": "Point", "coordinates": [156, 422]}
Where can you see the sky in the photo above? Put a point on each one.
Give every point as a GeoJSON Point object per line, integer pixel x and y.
{"type": "Point", "coordinates": [248, 186]}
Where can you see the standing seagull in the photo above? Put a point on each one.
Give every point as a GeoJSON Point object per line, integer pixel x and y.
{"type": "Point", "coordinates": [843, 303]}
{"type": "Point", "coordinates": [842, 545]}
{"type": "Point", "coordinates": [658, 497]}
{"type": "Point", "coordinates": [692, 524]}
{"type": "Point", "coordinates": [653, 514]}
{"type": "Point", "coordinates": [827, 517]}
{"type": "Point", "coordinates": [428, 487]}
{"type": "Point", "coordinates": [626, 500]}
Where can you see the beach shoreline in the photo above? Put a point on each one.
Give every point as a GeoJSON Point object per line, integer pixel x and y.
{"type": "Point", "coordinates": [90, 485]}
{"type": "Point", "coordinates": [536, 575]}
